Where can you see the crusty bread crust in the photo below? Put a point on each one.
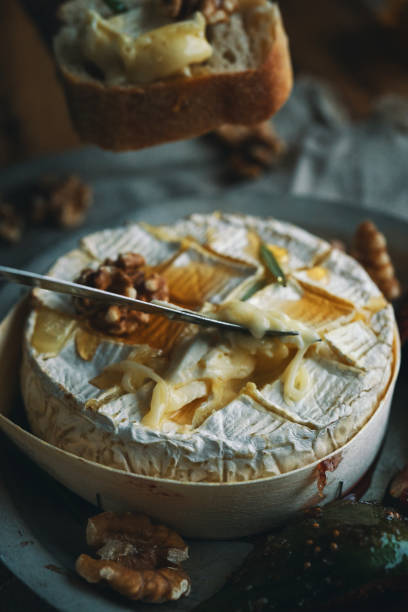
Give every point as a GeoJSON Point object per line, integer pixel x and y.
{"type": "Point", "coordinates": [128, 117]}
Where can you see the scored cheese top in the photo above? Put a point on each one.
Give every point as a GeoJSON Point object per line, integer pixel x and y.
{"type": "Point", "coordinates": [178, 402]}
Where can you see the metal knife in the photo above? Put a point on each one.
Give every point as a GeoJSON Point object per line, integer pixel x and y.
{"type": "Point", "coordinates": [171, 311]}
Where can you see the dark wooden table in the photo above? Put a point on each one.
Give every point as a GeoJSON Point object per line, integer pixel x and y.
{"type": "Point", "coordinates": [338, 41]}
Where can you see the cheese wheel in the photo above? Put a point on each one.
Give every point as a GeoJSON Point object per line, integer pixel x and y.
{"type": "Point", "coordinates": [177, 402]}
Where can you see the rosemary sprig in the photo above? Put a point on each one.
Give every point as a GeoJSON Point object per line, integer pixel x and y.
{"type": "Point", "coordinates": [271, 263]}
{"type": "Point", "coordinates": [252, 289]}
{"type": "Point", "coordinates": [116, 6]}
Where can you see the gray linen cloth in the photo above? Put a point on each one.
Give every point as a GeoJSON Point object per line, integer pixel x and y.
{"type": "Point", "coordinates": [365, 163]}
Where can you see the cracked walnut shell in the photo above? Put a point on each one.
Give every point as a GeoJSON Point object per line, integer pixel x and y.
{"type": "Point", "coordinates": [138, 559]}
{"type": "Point", "coordinates": [370, 249]}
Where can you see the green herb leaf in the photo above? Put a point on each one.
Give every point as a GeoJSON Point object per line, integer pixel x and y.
{"type": "Point", "coordinates": [116, 6]}
{"type": "Point", "coordinates": [251, 290]}
{"type": "Point", "coordinates": [271, 263]}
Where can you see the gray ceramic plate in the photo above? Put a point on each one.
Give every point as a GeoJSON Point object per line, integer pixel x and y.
{"type": "Point", "coordinates": [42, 523]}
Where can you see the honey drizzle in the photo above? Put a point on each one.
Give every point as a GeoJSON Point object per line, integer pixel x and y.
{"type": "Point", "coordinates": [158, 333]}
{"type": "Point", "coordinates": [185, 415]}
{"type": "Point", "coordinates": [315, 309]}
{"type": "Point", "coordinates": [267, 370]}
{"type": "Point", "coordinates": [191, 285]}
{"type": "Point", "coordinates": [323, 293]}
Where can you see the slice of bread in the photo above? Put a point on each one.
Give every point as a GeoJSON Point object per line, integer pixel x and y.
{"type": "Point", "coordinates": [245, 81]}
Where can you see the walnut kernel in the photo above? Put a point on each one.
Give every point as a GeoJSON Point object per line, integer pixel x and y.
{"type": "Point", "coordinates": [251, 148]}
{"type": "Point", "coordinates": [127, 275]}
{"type": "Point", "coordinates": [137, 558]}
{"type": "Point", "coordinates": [60, 201]}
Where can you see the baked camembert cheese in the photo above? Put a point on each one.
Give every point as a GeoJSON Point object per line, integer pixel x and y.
{"type": "Point", "coordinates": [179, 402]}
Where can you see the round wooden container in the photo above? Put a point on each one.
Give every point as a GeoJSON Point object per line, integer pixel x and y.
{"type": "Point", "coordinates": [199, 510]}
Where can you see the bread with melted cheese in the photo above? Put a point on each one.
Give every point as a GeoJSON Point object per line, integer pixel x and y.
{"type": "Point", "coordinates": [246, 80]}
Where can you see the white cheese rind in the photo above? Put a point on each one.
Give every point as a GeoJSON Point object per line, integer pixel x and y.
{"type": "Point", "coordinates": [108, 243]}
{"type": "Point", "coordinates": [358, 345]}
{"type": "Point", "coordinates": [227, 234]}
{"type": "Point", "coordinates": [257, 434]}
{"type": "Point", "coordinates": [65, 268]}
{"type": "Point", "coordinates": [345, 280]}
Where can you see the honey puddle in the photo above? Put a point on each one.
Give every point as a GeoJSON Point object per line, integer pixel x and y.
{"type": "Point", "coordinates": [319, 274]}
{"type": "Point", "coordinates": [191, 285]}
{"type": "Point", "coordinates": [185, 415]}
{"type": "Point", "coordinates": [315, 310]}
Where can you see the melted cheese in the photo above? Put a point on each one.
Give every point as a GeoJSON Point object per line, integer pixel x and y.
{"type": "Point", "coordinates": [296, 382]}
{"type": "Point", "coordinates": [52, 329]}
{"type": "Point", "coordinates": [168, 399]}
{"type": "Point", "coordinates": [140, 47]}
{"type": "Point", "coordinates": [134, 374]}
{"type": "Point", "coordinates": [248, 315]}
{"type": "Point", "coordinates": [234, 360]}
{"type": "Point", "coordinates": [259, 322]}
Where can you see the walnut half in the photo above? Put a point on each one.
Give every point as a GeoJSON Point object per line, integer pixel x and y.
{"type": "Point", "coordinates": [127, 276]}
{"type": "Point", "coordinates": [251, 149]}
{"type": "Point", "coordinates": [63, 202]}
{"type": "Point", "coordinates": [138, 559]}
{"type": "Point", "coordinates": [370, 249]}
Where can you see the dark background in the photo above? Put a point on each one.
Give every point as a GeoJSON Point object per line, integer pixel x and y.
{"type": "Point", "coordinates": [360, 53]}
